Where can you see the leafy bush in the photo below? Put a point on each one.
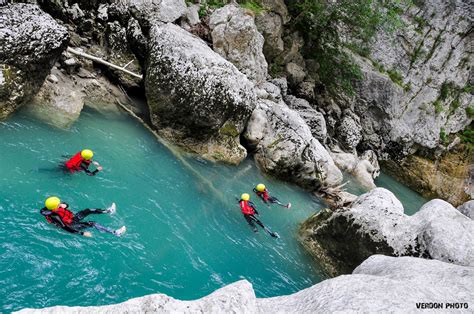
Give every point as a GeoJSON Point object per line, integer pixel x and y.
{"type": "Point", "coordinates": [330, 27]}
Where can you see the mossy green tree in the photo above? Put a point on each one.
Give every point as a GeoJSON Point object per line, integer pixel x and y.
{"type": "Point", "coordinates": [331, 28]}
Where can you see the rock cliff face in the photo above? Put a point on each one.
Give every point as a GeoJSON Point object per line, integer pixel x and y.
{"type": "Point", "coordinates": [416, 96]}
{"type": "Point", "coordinates": [379, 284]}
{"type": "Point", "coordinates": [375, 224]}
{"type": "Point", "coordinates": [30, 43]}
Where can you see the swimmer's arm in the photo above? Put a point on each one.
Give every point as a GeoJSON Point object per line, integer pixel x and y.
{"type": "Point", "coordinates": [85, 167]}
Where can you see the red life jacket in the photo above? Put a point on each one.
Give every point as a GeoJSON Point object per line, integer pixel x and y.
{"type": "Point", "coordinates": [246, 208]}
{"type": "Point", "coordinates": [264, 195]}
{"type": "Point", "coordinates": [66, 215]}
{"type": "Point", "coordinates": [74, 164]}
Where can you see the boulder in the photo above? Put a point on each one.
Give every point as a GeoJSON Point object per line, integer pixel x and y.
{"type": "Point", "coordinates": [285, 147]}
{"type": "Point", "coordinates": [375, 224]}
{"type": "Point", "coordinates": [379, 284]}
{"type": "Point", "coordinates": [270, 25]}
{"type": "Point", "coordinates": [236, 38]}
{"type": "Point", "coordinates": [196, 98]}
{"type": "Point", "coordinates": [349, 131]}
{"type": "Point", "coordinates": [467, 209]}
{"type": "Point", "coordinates": [313, 118]}
{"type": "Point", "coordinates": [30, 43]}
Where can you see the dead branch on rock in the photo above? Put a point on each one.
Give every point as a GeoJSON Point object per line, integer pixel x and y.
{"type": "Point", "coordinates": [102, 61]}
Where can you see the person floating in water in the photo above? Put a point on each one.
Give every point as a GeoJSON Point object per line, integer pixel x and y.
{"type": "Point", "coordinates": [263, 193]}
{"type": "Point", "coordinates": [249, 211]}
{"type": "Point", "coordinates": [58, 214]}
{"type": "Point", "coordinates": [81, 162]}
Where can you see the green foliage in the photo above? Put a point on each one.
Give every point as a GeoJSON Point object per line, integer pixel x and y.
{"type": "Point", "coordinates": [210, 5]}
{"type": "Point", "coordinates": [443, 137]}
{"type": "Point", "coordinates": [275, 69]}
{"type": "Point", "coordinates": [330, 27]}
{"type": "Point", "coordinates": [467, 136]}
{"type": "Point", "coordinates": [438, 106]}
{"type": "Point", "coordinates": [253, 6]}
{"type": "Point", "coordinates": [421, 23]}
{"type": "Point", "coordinates": [395, 76]}
{"type": "Point", "coordinates": [207, 6]}
{"type": "Point", "coordinates": [470, 112]}
{"type": "Point", "coordinates": [378, 66]}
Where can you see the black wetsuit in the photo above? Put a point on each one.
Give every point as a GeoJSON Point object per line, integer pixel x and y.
{"type": "Point", "coordinates": [251, 219]}
{"type": "Point", "coordinates": [77, 225]}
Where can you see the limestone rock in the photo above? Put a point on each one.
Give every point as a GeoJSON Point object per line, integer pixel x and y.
{"type": "Point", "coordinates": [149, 12]}
{"type": "Point", "coordinates": [236, 38]}
{"type": "Point", "coordinates": [296, 73]}
{"type": "Point", "coordinates": [379, 284]}
{"type": "Point", "coordinates": [60, 101]}
{"type": "Point", "coordinates": [30, 43]}
{"type": "Point", "coordinates": [467, 209]}
{"type": "Point", "coordinates": [285, 147]}
{"type": "Point", "coordinates": [349, 132]}
{"type": "Point", "coordinates": [196, 97]}
{"type": "Point", "coordinates": [420, 85]}
{"type": "Point", "coordinates": [376, 224]}
{"type": "Point", "coordinates": [270, 24]}
{"type": "Point", "coordinates": [446, 177]}
{"type": "Point", "coordinates": [314, 119]}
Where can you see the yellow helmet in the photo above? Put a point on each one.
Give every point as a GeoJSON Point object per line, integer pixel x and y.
{"type": "Point", "coordinates": [52, 202]}
{"type": "Point", "coordinates": [245, 197]}
{"type": "Point", "coordinates": [260, 187]}
{"type": "Point", "coordinates": [87, 154]}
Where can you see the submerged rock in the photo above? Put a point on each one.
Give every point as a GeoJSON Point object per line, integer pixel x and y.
{"type": "Point", "coordinates": [285, 147]}
{"type": "Point", "coordinates": [196, 98]}
{"type": "Point", "coordinates": [30, 43]}
{"type": "Point", "coordinates": [375, 224]}
{"type": "Point", "coordinates": [379, 284]}
{"type": "Point", "coordinates": [236, 38]}
{"type": "Point", "coordinates": [365, 168]}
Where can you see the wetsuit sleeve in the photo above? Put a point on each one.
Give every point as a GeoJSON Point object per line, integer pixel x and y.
{"type": "Point", "coordinates": [85, 167]}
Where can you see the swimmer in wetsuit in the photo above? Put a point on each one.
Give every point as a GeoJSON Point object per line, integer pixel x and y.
{"type": "Point", "coordinates": [58, 214]}
{"type": "Point", "coordinates": [81, 162]}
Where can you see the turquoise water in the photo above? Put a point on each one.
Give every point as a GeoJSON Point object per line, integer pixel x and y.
{"type": "Point", "coordinates": [186, 236]}
{"type": "Point", "coordinates": [411, 200]}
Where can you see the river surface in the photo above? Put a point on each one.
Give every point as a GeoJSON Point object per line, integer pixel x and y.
{"type": "Point", "coordinates": [186, 236]}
